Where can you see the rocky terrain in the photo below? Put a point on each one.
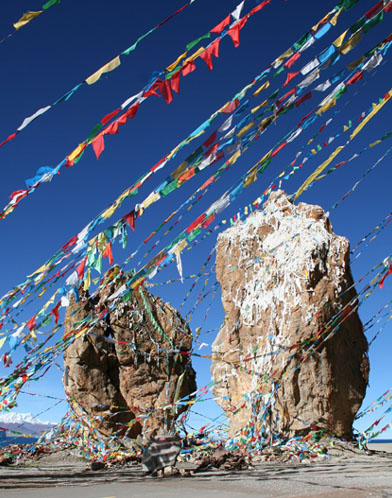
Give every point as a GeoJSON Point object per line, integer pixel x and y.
{"type": "Point", "coordinates": [285, 276]}
{"type": "Point", "coordinates": [128, 366]}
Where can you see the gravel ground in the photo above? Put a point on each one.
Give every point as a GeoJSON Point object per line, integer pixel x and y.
{"type": "Point", "coordinates": [347, 476]}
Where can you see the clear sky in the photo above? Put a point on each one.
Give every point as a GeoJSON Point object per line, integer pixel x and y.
{"type": "Point", "coordinates": [70, 41]}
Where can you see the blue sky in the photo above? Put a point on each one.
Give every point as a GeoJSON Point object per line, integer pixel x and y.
{"type": "Point", "coordinates": [68, 42]}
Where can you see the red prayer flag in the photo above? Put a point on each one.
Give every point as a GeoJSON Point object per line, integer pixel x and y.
{"type": "Point", "coordinates": [171, 17]}
{"type": "Point", "coordinates": [231, 106]}
{"type": "Point", "coordinates": [122, 119]}
{"type": "Point", "coordinates": [215, 47]}
{"type": "Point", "coordinates": [210, 140]}
{"type": "Point", "coordinates": [290, 76]}
{"type": "Point", "coordinates": [188, 68]}
{"type": "Point", "coordinates": [55, 312]}
{"type": "Point", "coordinates": [175, 82]}
{"type": "Point", "coordinates": [291, 92]}
{"type": "Point", "coordinates": [208, 221]}
{"type": "Point", "coordinates": [211, 150]}
{"type": "Point", "coordinates": [234, 32]}
{"type": "Point", "coordinates": [221, 26]}
{"type": "Point", "coordinates": [259, 7]}
{"type": "Point", "coordinates": [196, 223]}
{"type": "Point", "coordinates": [374, 10]}
{"type": "Point", "coordinates": [206, 56]}
{"type": "Point", "coordinates": [112, 129]}
{"type": "Point", "coordinates": [31, 323]}
{"type": "Point", "coordinates": [8, 139]}
{"type": "Point", "coordinates": [80, 268]}
{"type": "Point", "coordinates": [108, 117]}
{"type": "Point", "coordinates": [98, 145]}
{"type": "Point", "coordinates": [166, 92]}
{"type": "Point", "coordinates": [130, 219]}
{"type": "Point", "coordinates": [357, 76]}
{"type": "Point", "coordinates": [107, 253]}
{"type": "Point", "coordinates": [132, 110]}
{"type": "Point", "coordinates": [302, 99]}
{"type": "Point", "coordinates": [293, 59]}
{"type": "Point", "coordinates": [70, 243]}
{"type": "Point", "coordinates": [207, 183]}
{"type": "Point", "coordinates": [158, 164]}
{"type": "Point", "coordinates": [281, 146]}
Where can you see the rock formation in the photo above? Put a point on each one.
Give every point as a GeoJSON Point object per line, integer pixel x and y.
{"type": "Point", "coordinates": [129, 360]}
{"type": "Point", "coordinates": [285, 276]}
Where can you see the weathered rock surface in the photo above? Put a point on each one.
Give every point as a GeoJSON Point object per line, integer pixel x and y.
{"type": "Point", "coordinates": [284, 276]}
{"type": "Point", "coordinates": [127, 360]}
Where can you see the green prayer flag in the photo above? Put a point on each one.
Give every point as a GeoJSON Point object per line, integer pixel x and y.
{"type": "Point", "coordinates": [274, 95]}
{"type": "Point", "coordinates": [79, 157]}
{"type": "Point", "coordinates": [301, 42]}
{"type": "Point", "coordinates": [195, 42]}
{"type": "Point", "coordinates": [194, 234]}
{"type": "Point", "coordinates": [94, 131]}
{"type": "Point", "coordinates": [280, 70]}
{"type": "Point", "coordinates": [193, 156]}
{"type": "Point", "coordinates": [49, 4]}
{"type": "Point", "coordinates": [347, 4]}
{"type": "Point", "coordinates": [373, 22]}
{"type": "Point", "coordinates": [169, 188]}
{"type": "Point", "coordinates": [355, 27]}
{"type": "Point", "coordinates": [132, 47]}
{"type": "Point", "coordinates": [264, 164]}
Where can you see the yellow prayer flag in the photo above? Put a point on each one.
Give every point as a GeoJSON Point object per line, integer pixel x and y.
{"type": "Point", "coordinates": [331, 103]}
{"type": "Point", "coordinates": [351, 43]}
{"type": "Point", "coordinates": [153, 197]}
{"type": "Point", "coordinates": [26, 18]}
{"type": "Point", "coordinates": [264, 86]}
{"type": "Point", "coordinates": [109, 211]}
{"type": "Point", "coordinates": [375, 143]}
{"type": "Point", "coordinates": [251, 178]}
{"type": "Point", "coordinates": [356, 63]}
{"type": "Point", "coordinates": [175, 64]}
{"type": "Point", "coordinates": [277, 62]}
{"type": "Point", "coordinates": [75, 153]}
{"type": "Point", "coordinates": [110, 66]}
{"type": "Point", "coordinates": [138, 282]}
{"type": "Point", "coordinates": [40, 269]}
{"type": "Point", "coordinates": [193, 56]}
{"type": "Point", "coordinates": [318, 171]}
{"type": "Point", "coordinates": [171, 154]}
{"type": "Point", "coordinates": [338, 42]}
{"type": "Point", "coordinates": [87, 281]}
{"type": "Point", "coordinates": [323, 21]}
{"type": "Point", "coordinates": [180, 247]}
{"type": "Point", "coordinates": [234, 157]}
{"type": "Point", "coordinates": [245, 129]}
{"type": "Point", "coordinates": [179, 170]}
{"type": "Point", "coordinates": [335, 18]}
{"type": "Point", "coordinates": [375, 110]}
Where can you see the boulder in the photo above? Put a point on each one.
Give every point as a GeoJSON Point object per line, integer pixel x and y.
{"type": "Point", "coordinates": [291, 338]}
{"type": "Point", "coordinates": [131, 363]}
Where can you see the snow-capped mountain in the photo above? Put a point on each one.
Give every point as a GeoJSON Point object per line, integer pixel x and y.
{"type": "Point", "coordinates": [24, 423]}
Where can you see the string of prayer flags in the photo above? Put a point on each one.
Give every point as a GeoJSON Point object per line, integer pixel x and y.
{"type": "Point", "coordinates": [108, 67]}
{"type": "Point", "coordinates": [163, 86]}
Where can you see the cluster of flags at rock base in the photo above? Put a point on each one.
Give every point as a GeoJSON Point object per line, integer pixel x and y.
{"type": "Point", "coordinates": [81, 255]}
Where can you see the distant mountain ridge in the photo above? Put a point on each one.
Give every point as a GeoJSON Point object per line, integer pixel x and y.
{"type": "Point", "coordinates": [24, 423]}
